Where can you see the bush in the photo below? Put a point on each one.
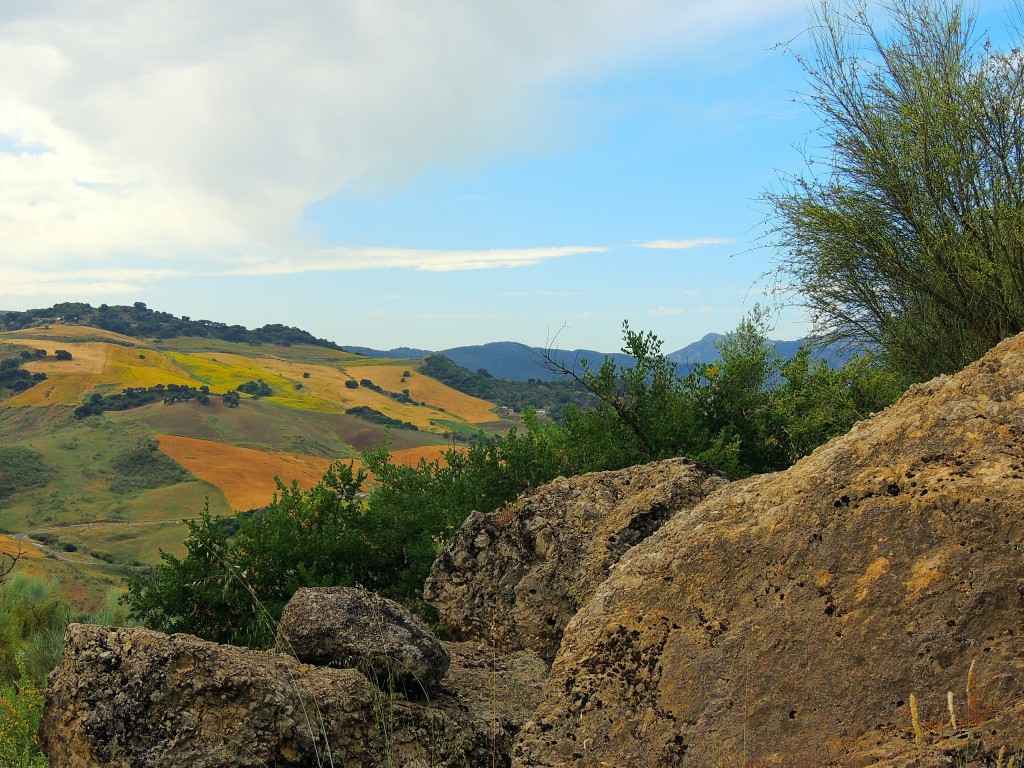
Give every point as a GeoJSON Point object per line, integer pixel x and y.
{"type": "Point", "coordinates": [21, 708]}
{"type": "Point", "coordinates": [233, 587]}
{"type": "Point", "coordinates": [20, 469]}
{"type": "Point", "coordinates": [144, 466]}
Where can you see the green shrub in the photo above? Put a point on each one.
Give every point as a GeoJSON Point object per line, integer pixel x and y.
{"type": "Point", "coordinates": [21, 468]}
{"type": "Point", "coordinates": [21, 707]}
{"type": "Point", "coordinates": [144, 466]}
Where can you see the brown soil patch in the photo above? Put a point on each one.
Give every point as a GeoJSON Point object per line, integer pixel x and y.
{"type": "Point", "coordinates": [244, 475]}
{"type": "Point", "coordinates": [411, 456]}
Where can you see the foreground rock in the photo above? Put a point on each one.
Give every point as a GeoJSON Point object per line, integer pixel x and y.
{"type": "Point", "coordinates": [132, 697]}
{"type": "Point", "coordinates": [515, 578]}
{"type": "Point", "coordinates": [346, 627]}
{"type": "Point", "coordinates": [787, 619]}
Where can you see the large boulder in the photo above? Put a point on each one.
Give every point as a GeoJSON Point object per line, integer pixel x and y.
{"type": "Point", "coordinates": [788, 619]}
{"type": "Point", "coordinates": [514, 578]}
{"type": "Point", "coordinates": [350, 627]}
{"type": "Point", "coordinates": [133, 697]}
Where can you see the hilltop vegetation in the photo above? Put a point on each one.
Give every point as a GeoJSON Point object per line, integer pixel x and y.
{"type": "Point", "coordinates": [138, 321]}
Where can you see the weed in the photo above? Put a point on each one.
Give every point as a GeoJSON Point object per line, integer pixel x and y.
{"type": "Point", "coordinates": [21, 707]}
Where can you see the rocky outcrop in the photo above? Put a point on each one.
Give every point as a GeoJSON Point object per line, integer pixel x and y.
{"type": "Point", "coordinates": [349, 627]}
{"type": "Point", "coordinates": [788, 618]}
{"type": "Point", "coordinates": [132, 697]}
{"type": "Point", "coordinates": [514, 578]}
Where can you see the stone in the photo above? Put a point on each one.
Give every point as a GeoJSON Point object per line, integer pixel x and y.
{"type": "Point", "coordinates": [787, 619]}
{"type": "Point", "coordinates": [352, 627]}
{"type": "Point", "coordinates": [133, 697]}
{"type": "Point", "coordinates": [514, 578]}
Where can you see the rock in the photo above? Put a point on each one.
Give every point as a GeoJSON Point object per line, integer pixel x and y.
{"type": "Point", "coordinates": [132, 697]}
{"type": "Point", "coordinates": [514, 579]}
{"type": "Point", "coordinates": [352, 627]}
{"type": "Point", "coordinates": [787, 619]}
{"type": "Point", "coordinates": [139, 698]}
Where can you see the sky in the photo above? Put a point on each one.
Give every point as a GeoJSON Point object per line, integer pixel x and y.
{"type": "Point", "coordinates": [384, 173]}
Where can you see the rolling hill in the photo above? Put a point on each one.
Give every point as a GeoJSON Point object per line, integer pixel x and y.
{"type": "Point", "coordinates": [101, 489]}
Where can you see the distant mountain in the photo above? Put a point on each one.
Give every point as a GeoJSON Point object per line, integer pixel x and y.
{"type": "Point", "coordinates": [705, 351]}
{"type": "Point", "coordinates": [400, 353]}
{"type": "Point", "coordinates": [508, 360]}
{"type": "Point", "coordinates": [518, 362]}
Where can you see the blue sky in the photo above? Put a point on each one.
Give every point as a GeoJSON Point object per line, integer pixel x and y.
{"type": "Point", "coordinates": [382, 173]}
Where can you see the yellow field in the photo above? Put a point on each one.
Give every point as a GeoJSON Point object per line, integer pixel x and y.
{"type": "Point", "coordinates": [222, 371]}
{"type": "Point", "coordinates": [325, 388]}
{"type": "Point", "coordinates": [245, 476]}
{"type": "Point", "coordinates": [94, 363]}
{"type": "Point", "coordinates": [87, 357]}
{"type": "Point", "coordinates": [125, 368]}
{"type": "Point", "coordinates": [427, 390]}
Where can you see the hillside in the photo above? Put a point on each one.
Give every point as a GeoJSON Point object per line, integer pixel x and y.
{"type": "Point", "coordinates": [108, 445]}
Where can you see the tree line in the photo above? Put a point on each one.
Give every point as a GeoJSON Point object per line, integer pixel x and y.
{"type": "Point", "coordinates": [138, 321]}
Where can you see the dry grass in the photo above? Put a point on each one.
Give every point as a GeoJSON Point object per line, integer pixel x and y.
{"type": "Point", "coordinates": [8, 546]}
{"type": "Point", "coordinates": [59, 331]}
{"type": "Point", "coordinates": [245, 476]}
{"type": "Point", "coordinates": [427, 390]}
{"type": "Point", "coordinates": [56, 390]}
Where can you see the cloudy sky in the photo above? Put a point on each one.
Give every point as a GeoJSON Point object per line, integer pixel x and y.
{"type": "Point", "coordinates": [425, 173]}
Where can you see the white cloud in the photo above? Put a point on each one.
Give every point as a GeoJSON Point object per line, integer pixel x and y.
{"type": "Point", "coordinates": [663, 311]}
{"type": "Point", "coordinates": [22, 281]}
{"type": "Point", "coordinates": [684, 245]}
{"type": "Point", "coordinates": [345, 259]}
{"type": "Point", "coordinates": [172, 127]}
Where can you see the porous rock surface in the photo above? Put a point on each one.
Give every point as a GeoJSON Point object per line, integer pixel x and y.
{"type": "Point", "coordinates": [514, 578]}
{"type": "Point", "coordinates": [133, 697]}
{"type": "Point", "coordinates": [787, 619]}
{"type": "Point", "coordinates": [350, 627]}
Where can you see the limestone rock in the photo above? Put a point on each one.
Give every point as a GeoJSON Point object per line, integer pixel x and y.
{"type": "Point", "coordinates": [351, 627]}
{"type": "Point", "coordinates": [514, 578]}
{"type": "Point", "coordinates": [788, 618]}
{"type": "Point", "coordinates": [132, 697]}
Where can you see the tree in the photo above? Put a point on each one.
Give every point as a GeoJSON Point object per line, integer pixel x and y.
{"type": "Point", "coordinates": [62, 354]}
{"type": "Point", "coordinates": [906, 234]}
{"type": "Point", "coordinates": [7, 563]}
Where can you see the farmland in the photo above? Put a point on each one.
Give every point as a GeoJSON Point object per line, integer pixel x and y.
{"type": "Point", "coordinates": [104, 510]}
